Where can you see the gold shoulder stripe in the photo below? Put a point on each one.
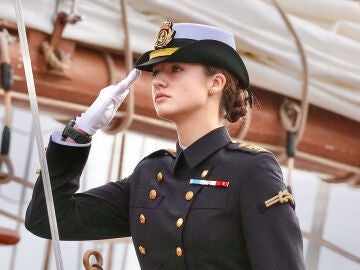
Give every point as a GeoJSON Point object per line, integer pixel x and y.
{"type": "Point", "coordinates": [251, 147]}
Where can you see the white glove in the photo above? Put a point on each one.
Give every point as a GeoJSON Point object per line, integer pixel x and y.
{"type": "Point", "coordinates": [103, 109]}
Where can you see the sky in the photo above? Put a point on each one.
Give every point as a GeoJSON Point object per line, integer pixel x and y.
{"type": "Point", "coordinates": [341, 219]}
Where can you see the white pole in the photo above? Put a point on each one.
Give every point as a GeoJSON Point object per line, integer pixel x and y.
{"type": "Point", "coordinates": [36, 122]}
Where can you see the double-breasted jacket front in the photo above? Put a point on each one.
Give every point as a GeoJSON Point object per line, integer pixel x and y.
{"type": "Point", "coordinates": [198, 208]}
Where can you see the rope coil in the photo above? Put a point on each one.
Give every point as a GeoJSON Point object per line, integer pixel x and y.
{"type": "Point", "coordinates": [56, 59]}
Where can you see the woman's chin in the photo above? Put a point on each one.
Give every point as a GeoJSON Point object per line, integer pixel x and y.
{"type": "Point", "coordinates": [166, 115]}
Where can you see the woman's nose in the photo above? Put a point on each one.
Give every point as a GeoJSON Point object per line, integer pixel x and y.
{"type": "Point", "coordinates": [159, 82]}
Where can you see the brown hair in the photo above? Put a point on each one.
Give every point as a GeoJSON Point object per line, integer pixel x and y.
{"type": "Point", "coordinates": [235, 101]}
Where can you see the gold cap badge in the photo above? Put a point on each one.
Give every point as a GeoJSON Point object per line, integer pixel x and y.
{"type": "Point", "coordinates": [165, 35]}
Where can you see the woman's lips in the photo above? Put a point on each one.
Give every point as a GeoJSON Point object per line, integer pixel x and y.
{"type": "Point", "coordinates": [160, 97]}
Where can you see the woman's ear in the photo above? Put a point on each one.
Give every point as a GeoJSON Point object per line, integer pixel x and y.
{"type": "Point", "coordinates": [218, 82]}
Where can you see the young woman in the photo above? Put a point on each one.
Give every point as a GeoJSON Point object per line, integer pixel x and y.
{"type": "Point", "coordinates": [214, 204]}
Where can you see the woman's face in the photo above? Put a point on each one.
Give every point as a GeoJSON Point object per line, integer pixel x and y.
{"type": "Point", "coordinates": [180, 90]}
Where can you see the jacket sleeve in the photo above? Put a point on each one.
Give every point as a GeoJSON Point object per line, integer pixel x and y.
{"type": "Point", "coordinates": [98, 213]}
{"type": "Point", "coordinates": [273, 237]}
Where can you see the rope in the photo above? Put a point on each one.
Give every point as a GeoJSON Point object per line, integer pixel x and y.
{"type": "Point", "coordinates": [305, 73]}
{"type": "Point", "coordinates": [126, 122]}
{"type": "Point", "coordinates": [35, 113]}
{"type": "Point", "coordinates": [56, 60]}
{"type": "Point", "coordinates": [295, 132]}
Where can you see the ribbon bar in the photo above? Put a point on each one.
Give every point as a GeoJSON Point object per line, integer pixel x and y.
{"type": "Point", "coordinates": [204, 182]}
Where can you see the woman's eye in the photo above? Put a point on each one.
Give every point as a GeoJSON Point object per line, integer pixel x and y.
{"type": "Point", "coordinates": [176, 69]}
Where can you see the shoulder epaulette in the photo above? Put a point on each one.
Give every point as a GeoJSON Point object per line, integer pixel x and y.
{"type": "Point", "coordinates": [250, 148]}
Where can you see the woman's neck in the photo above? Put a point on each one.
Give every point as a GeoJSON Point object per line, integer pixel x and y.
{"type": "Point", "coordinates": [190, 131]}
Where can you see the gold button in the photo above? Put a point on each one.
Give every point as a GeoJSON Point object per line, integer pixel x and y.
{"type": "Point", "coordinates": [142, 250]}
{"type": "Point", "coordinates": [204, 173]}
{"type": "Point", "coordinates": [179, 222]}
{"type": "Point", "coordinates": [179, 251]}
{"type": "Point", "coordinates": [189, 195]}
{"type": "Point", "coordinates": [160, 176]}
{"type": "Point", "coordinates": [152, 194]}
{"type": "Point", "coordinates": [38, 171]}
{"type": "Point", "coordinates": [142, 219]}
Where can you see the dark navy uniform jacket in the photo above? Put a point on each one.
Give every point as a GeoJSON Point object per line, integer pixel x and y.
{"type": "Point", "coordinates": [176, 224]}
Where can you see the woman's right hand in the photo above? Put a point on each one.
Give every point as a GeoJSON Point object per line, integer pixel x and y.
{"type": "Point", "coordinates": [103, 109]}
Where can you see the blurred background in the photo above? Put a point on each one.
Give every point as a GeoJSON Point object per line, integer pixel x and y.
{"type": "Point", "coordinates": [304, 66]}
